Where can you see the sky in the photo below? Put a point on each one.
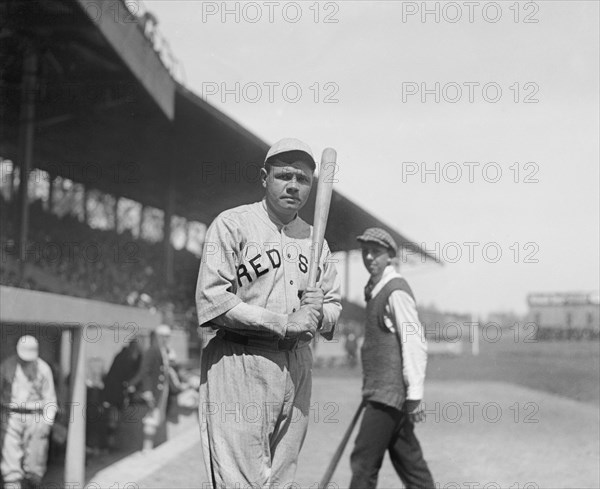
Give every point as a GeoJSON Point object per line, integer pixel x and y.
{"type": "Point", "coordinates": [472, 129]}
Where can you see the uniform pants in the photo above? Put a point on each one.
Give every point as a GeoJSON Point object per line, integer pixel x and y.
{"type": "Point", "coordinates": [254, 406]}
{"type": "Point", "coordinates": [387, 429]}
{"type": "Point", "coordinates": [24, 447]}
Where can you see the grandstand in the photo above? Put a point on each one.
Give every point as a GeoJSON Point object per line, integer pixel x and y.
{"type": "Point", "coordinates": [111, 170]}
{"type": "Point", "coordinates": [574, 315]}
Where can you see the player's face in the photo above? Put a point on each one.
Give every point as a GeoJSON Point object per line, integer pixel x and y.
{"type": "Point", "coordinates": [287, 187]}
{"type": "Point", "coordinates": [375, 257]}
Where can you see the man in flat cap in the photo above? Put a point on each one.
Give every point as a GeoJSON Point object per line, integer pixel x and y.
{"type": "Point", "coordinates": [28, 410]}
{"type": "Point", "coordinates": [394, 357]}
{"type": "Point", "coordinates": [253, 290]}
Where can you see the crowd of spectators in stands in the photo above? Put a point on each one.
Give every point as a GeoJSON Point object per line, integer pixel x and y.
{"type": "Point", "coordinates": [66, 256]}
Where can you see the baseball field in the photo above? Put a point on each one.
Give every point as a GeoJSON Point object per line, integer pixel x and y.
{"type": "Point", "coordinates": [519, 415]}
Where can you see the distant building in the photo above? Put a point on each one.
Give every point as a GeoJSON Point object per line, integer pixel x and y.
{"type": "Point", "coordinates": [565, 314]}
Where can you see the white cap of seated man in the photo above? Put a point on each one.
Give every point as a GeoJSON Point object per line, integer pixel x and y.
{"type": "Point", "coordinates": [163, 335]}
{"type": "Point", "coordinates": [27, 348]}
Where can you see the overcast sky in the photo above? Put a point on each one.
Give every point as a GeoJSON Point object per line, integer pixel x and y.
{"type": "Point", "coordinates": [541, 213]}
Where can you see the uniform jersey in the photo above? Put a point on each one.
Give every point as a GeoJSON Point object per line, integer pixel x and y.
{"type": "Point", "coordinates": [249, 258]}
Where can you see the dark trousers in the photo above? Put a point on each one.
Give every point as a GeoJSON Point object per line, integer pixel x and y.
{"type": "Point", "coordinates": [386, 429]}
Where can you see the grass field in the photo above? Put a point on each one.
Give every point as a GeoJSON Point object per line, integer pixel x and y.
{"type": "Point", "coordinates": [568, 369]}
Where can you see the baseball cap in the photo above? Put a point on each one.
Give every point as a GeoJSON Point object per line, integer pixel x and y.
{"type": "Point", "coordinates": [163, 330]}
{"type": "Point", "coordinates": [287, 145]}
{"type": "Point", "coordinates": [27, 348]}
{"type": "Point", "coordinates": [379, 236]}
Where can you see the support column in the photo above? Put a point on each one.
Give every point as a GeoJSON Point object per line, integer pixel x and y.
{"type": "Point", "coordinates": [116, 213]}
{"type": "Point", "coordinates": [50, 193]}
{"type": "Point", "coordinates": [75, 453]}
{"type": "Point", "coordinates": [26, 132]}
{"type": "Point", "coordinates": [475, 339]}
{"type": "Point", "coordinates": [84, 199]}
{"type": "Point", "coordinates": [167, 246]}
{"type": "Point", "coordinates": [141, 222]}
{"type": "Point", "coordinates": [11, 188]}
{"type": "Point", "coordinates": [187, 234]}
{"type": "Point", "coordinates": [347, 276]}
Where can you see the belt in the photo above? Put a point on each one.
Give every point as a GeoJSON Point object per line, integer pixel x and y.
{"type": "Point", "coordinates": [22, 410]}
{"type": "Point", "coordinates": [273, 344]}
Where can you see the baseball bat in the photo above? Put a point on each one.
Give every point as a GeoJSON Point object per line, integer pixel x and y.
{"type": "Point", "coordinates": [324, 190]}
{"type": "Point", "coordinates": [340, 449]}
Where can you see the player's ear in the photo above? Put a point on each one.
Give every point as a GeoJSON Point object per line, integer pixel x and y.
{"type": "Point", "coordinates": [264, 174]}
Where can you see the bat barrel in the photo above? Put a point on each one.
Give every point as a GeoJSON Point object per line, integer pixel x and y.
{"type": "Point", "coordinates": [327, 172]}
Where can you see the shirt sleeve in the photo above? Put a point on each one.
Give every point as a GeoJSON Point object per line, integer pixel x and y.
{"type": "Point", "coordinates": [253, 317]}
{"type": "Point", "coordinates": [48, 393]}
{"type": "Point", "coordinates": [216, 286]}
{"type": "Point", "coordinates": [332, 301]}
{"type": "Point", "coordinates": [403, 314]}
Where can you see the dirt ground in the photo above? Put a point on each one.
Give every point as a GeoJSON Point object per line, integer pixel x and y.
{"type": "Point", "coordinates": [477, 434]}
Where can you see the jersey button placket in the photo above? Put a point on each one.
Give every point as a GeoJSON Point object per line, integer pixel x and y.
{"type": "Point", "coordinates": [288, 268]}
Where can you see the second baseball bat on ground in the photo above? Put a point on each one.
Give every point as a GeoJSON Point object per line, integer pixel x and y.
{"type": "Point", "coordinates": [340, 449]}
{"type": "Point", "coordinates": [327, 172]}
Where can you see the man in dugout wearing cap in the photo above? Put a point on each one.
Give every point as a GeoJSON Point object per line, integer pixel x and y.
{"type": "Point", "coordinates": [28, 409]}
{"type": "Point", "coordinates": [394, 357]}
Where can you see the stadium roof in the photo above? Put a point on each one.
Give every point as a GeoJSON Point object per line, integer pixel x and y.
{"type": "Point", "coordinates": [109, 115]}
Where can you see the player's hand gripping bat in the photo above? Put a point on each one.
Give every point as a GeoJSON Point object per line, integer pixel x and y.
{"type": "Point", "coordinates": [327, 171]}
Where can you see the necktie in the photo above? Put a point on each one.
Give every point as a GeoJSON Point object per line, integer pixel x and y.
{"type": "Point", "coordinates": [369, 289]}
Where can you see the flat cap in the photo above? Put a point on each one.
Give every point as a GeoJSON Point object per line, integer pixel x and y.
{"type": "Point", "coordinates": [287, 145]}
{"type": "Point", "coordinates": [27, 348]}
{"type": "Point", "coordinates": [379, 236]}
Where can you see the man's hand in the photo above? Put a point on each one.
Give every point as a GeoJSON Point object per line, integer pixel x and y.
{"type": "Point", "coordinates": [304, 321]}
{"type": "Point", "coordinates": [45, 428]}
{"type": "Point", "coordinates": [313, 296]}
{"type": "Point", "coordinates": [148, 397]}
{"type": "Point", "coordinates": [415, 410]}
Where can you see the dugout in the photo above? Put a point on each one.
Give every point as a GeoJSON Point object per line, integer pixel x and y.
{"type": "Point", "coordinates": [66, 329]}
{"type": "Point", "coordinates": [89, 94]}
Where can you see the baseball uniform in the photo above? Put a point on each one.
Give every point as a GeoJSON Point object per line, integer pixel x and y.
{"type": "Point", "coordinates": [256, 379]}
{"type": "Point", "coordinates": [28, 410]}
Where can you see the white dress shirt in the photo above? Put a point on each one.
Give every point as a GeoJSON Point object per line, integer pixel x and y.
{"type": "Point", "coordinates": [401, 311]}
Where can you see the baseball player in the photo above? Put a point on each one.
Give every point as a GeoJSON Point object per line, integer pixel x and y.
{"type": "Point", "coordinates": [252, 288]}
{"type": "Point", "coordinates": [28, 410]}
{"type": "Point", "coordinates": [394, 357]}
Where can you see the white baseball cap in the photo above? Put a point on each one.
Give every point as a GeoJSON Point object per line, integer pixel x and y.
{"type": "Point", "coordinates": [163, 330]}
{"type": "Point", "coordinates": [27, 348]}
{"type": "Point", "coordinates": [291, 144]}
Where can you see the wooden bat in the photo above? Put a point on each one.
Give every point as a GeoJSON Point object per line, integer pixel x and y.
{"type": "Point", "coordinates": [327, 171]}
{"type": "Point", "coordinates": [340, 449]}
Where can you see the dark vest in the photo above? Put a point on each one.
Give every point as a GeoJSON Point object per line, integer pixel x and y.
{"type": "Point", "coordinates": [383, 380]}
